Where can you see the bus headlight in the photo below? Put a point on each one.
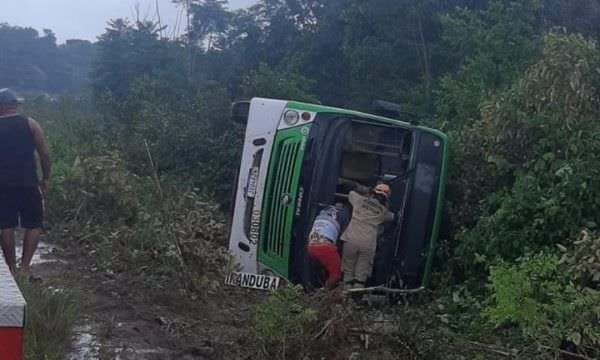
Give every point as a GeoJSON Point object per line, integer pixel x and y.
{"type": "Point", "coordinates": [291, 117]}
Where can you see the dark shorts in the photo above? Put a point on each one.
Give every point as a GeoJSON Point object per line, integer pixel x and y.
{"type": "Point", "coordinates": [21, 205]}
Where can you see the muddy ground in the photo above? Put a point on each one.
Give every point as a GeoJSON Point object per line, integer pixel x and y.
{"type": "Point", "coordinates": [122, 319]}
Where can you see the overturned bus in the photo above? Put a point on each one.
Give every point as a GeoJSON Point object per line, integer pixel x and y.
{"type": "Point", "coordinates": [295, 158]}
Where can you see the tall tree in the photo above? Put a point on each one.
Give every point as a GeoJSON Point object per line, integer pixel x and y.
{"type": "Point", "coordinates": [209, 21]}
{"type": "Point", "coordinates": [77, 56]}
{"type": "Point", "coordinates": [128, 51]}
{"type": "Point", "coordinates": [29, 61]}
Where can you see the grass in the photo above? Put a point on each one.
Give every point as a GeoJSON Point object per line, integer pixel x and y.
{"type": "Point", "coordinates": [51, 316]}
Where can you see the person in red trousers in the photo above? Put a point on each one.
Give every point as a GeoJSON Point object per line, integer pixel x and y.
{"type": "Point", "coordinates": [322, 240]}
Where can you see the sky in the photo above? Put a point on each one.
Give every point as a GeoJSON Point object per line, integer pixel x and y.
{"type": "Point", "coordinates": [86, 19]}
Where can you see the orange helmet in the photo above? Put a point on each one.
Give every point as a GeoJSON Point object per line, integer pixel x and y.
{"type": "Point", "coordinates": [383, 189]}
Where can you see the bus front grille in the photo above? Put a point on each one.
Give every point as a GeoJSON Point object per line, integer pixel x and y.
{"type": "Point", "coordinates": [281, 199]}
{"type": "Point", "coordinates": [278, 210]}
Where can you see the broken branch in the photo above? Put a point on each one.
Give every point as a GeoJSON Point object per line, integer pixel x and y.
{"type": "Point", "coordinates": [384, 290]}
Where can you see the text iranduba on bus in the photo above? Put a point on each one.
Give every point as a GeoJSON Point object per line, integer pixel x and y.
{"type": "Point", "coordinates": [297, 159]}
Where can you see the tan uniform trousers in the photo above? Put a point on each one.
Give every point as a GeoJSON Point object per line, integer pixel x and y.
{"type": "Point", "coordinates": [357, 264]}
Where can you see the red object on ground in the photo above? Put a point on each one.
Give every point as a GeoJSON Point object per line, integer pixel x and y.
{"type": "Point", "coordinates": [11, 343]}
{"type": "Point", "coordinates": [327, 256]}
{"type": "Point", "coordinates": [12, 315]}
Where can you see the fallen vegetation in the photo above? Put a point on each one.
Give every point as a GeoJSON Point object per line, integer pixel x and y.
{"type": "Point", "coordinates": [154, 231]}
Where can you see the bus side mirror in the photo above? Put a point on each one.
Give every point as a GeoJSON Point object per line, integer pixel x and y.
{"type": "Point", "coordinates": [240, 111]}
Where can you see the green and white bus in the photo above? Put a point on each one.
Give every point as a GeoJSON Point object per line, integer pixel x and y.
{"type": "Point", "coordinates": [295, 155]}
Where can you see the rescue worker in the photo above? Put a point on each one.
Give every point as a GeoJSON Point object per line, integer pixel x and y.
{"type": "Point", "coordinates": [21, 194]}
{"type": "Point", "coordinates": [322, 240]}
{"type": "Point", "coordinates": [370, 211]}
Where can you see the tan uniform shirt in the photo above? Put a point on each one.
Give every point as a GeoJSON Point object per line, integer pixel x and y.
{"type": "Point", "coordinates": [367, 215]}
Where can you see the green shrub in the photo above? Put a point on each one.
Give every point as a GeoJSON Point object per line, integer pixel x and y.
{"type": "Point", "coordinates": [538, 150]}
{"type": "Point", "coordinates": [495, 46]}
{"type": "Point", "coordinates": [159, 229]}
{"type": "Point", "coordinates": [99, 189]}
{"type": "Point", "coordinates": [280, 321]}
{"type": "Point", "coordinates": [51, 316]}
{"type": "Point", "coordinates": [187, 132]}
{"type": "Point", "coordinates": [536, 295]}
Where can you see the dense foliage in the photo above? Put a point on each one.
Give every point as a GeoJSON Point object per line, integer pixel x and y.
{"type": "Point", "coordinates": [29, 61]}
{"type": "Point", "coordinates": [536, 295]}
{"type": "Point", "coordinates": [515, 85]}
{"type": "Point", "coordinates": [540, 140]}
